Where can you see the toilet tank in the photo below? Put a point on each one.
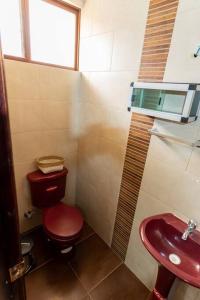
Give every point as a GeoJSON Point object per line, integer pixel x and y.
{"type": "Point", "coordinates": [47, 189]}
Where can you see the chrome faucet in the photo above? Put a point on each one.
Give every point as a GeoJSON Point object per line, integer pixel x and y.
{"type": "Point", "coordinates": [192, 225]}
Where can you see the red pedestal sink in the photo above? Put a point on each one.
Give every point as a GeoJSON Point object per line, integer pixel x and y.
{"type": "Point", "coordinates": [161, 235]}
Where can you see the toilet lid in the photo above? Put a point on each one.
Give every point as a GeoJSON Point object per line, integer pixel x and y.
{"type": "Point", "coordinates": [62, 221]}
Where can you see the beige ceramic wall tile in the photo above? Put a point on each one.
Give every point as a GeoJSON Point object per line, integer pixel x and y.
{"type": "Point", "coordinates": [60, 142]}
{"type": "Point", "coordinates": [99, 177]}
{"type": "Point", "coordinates": [70, 197]}
{"type": "Point", "coordinates": [93, 118]}
{"type": "Point", "coordinates": [43, 115]}
{"type": "Point", "coordinates": [185, 5]}
{"type": "Point", "coordinates": [107, 16]}
{"type": "Point", "coordinates": [127, 49]}
{"type": "Point", "coordinates": [110, 88]}
{"type": "Point", "coordinates": [149, 206]}
{"type": "Point", "coordinates": [85, 86]}
{"type": "Point", "coordinates": [23, 196]}
{"type": "Point", "coordinates": [117, 126]}
{"type": "Point", "coordinates": [194, 163]}
{"type": "Point", "coordinates": [22, 80]}
{"type": "Point", "coordinates": [139, 260]}
{"type": "Point", "coordinates": [169, 152]}
{"type": "Point", "coordinates": [27, 146]}
{"type": "Point", "coordinates": [182, 291]}
{"type": "Point", "coordinates": [158, 178]}
{"type": "Point", "coordinates": [58, 114]}
{"type": "Point", "coordinates": [86, 19]}
{"type": "Point", "coordinates": [26, 115]}
{"type": "Point", "coordinates": [171, 177]}
{"type": "Point", "coordinates": [184, 131]}
{"type": "Point", "coordinates": [104, 120]}
{"type": "Point", "coordinates": [95, 52]}
{"type": "Point", "coordinates": [58, 84]}
{"type": "Point", "coordinates": [181, 64]}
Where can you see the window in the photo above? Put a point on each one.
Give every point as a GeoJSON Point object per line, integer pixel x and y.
{"type": "Point", "coordinates": [44, 31]}
{"type": "Point", "coordinates": [11, 31]}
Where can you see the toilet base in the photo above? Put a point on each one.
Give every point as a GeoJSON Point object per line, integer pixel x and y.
{"type": "Point", "coordinates": [66, 252]}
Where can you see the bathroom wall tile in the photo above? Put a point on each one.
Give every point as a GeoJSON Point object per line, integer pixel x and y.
{"type": "Point", "coordinates": [78, 3]}
{"type": "Point", "coordinates": [59, 142]}
{"type": "Point", "coordinates": [169, 152]}
{"type": "Point", "coordinates": [22, 80]}
{"type": "Point", "coordinates": [158, 178]}
{"type": "Point", "coordinates": [95, 52]}
{"type": "Point", "coordinates": [92, 119]}
{"type": "Point", "coordinates": [149, 206]}
{"type": "Point", "coordinates": [127, 49]}
{"type": "Point", "coordinates": [88, 147]}
{"type": "Point", "coordinates": [70, 196]}
{"type": "Point", "coordinates": [43, 105]}
{"type": "Point", "coordinates": [185, 5]}
{"type": "Point", "coordinates": [26, 115]}
{"type": "Point", "coordinates": [184, 193]}
{"type": "Point", "coordinates": [117, 126]}
{"type": "Point", "coordinates": [104, 120]}
{"type": "Point", "coordinates": [85, 86]}
{"type": "Point", "coordinates": [58, 84]}
{"type": "Point", "coordinates": [183, 131]}
{"type": "Point", "coordinates": [193, 166]}
{"type": "Point", "coordinates": [171, 177]}
{"type": "Point", "coordinates": [27, 146]}
{"type": "Point", "coordinates": [97, 207]}
{"type": "Point", "coordinates": [181, 64]}
{"type": "Point", "coordinates": [86, 19]}
{"type": "Point", "coordinates": [110, 88]}
{"type": "Point", "coordinates": [117, 16]}
{"type": "Point", "coordinates": [57, 114]}
{"type": "Point", "coordinates": [139, 261]}
{"type": "Point", "coordinates": [197, 296]}
{"type": "Point", "coordinates": [23, 196]}
{"type": "Point", "coordinates": [182, 291]}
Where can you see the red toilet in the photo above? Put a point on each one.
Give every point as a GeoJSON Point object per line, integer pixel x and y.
{"type": "Point", "coordinates": [62, 223]}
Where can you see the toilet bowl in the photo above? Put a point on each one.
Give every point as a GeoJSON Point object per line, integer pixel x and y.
{"type": "Point", "coordinates": [62, 223]}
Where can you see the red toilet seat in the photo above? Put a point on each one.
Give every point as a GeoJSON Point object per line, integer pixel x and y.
{"type": "Point", "coordinates": [62, 222]}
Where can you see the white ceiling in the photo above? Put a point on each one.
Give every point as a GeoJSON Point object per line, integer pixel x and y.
{"type": "Point", "coordinates": [78, 3]}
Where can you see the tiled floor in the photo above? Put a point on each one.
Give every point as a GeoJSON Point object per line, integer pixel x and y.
{"type": "Point", "coordinates": [95, 272]}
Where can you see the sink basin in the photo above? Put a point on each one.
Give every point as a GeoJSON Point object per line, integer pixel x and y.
{"type": "Point", "coordinates": [161, 235]}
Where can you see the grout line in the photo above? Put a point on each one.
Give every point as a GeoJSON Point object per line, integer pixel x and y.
{"type": "Point", "coordinates": [84, 239]}
{"type": "Point", "coordinates": [94, 287]}
{"type": "Point", "coordinates": [40, 266]}
{"type": "Point", "coordinates": [112, 50]}
{"type": "Point", "coordinates": [70, 266]}
{"type": "Point", "coordinates": [90, 296]}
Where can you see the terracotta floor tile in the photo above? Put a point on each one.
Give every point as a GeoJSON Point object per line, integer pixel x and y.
{"type": "Point", "coordinates": [93, 261]}
{"type": "Point", "coordinates": [120, 285]}
{"type": "Point", "coordinates": [54, 281]}
{"type": "Point", "coordinates": [87, 232]}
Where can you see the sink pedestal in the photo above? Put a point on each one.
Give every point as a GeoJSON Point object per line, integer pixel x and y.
{"type": "Point", "coordinates": [164, 282]}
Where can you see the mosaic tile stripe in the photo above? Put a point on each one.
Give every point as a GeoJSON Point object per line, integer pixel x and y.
{"type": "Point", "coordinates": [136, 153]}
{"type": "Point", "coordinates": [157, 40]}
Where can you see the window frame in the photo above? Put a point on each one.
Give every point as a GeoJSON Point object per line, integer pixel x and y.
{"type": "Point", "coordinates": [26, 43]}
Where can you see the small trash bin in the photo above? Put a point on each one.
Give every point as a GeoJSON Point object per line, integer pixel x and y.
{"type": "Point", "coordinates": [26, 248]}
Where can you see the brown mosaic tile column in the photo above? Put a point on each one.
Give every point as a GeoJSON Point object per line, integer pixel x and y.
{"type": "Point", "coordinates": [157, 40]}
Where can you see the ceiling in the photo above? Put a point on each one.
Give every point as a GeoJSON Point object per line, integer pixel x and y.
{"type": "Point", "coordinates": [78, 3]}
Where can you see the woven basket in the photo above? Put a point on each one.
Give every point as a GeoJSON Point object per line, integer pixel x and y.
{"type": "Point", "coordinates": [48, 163]}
